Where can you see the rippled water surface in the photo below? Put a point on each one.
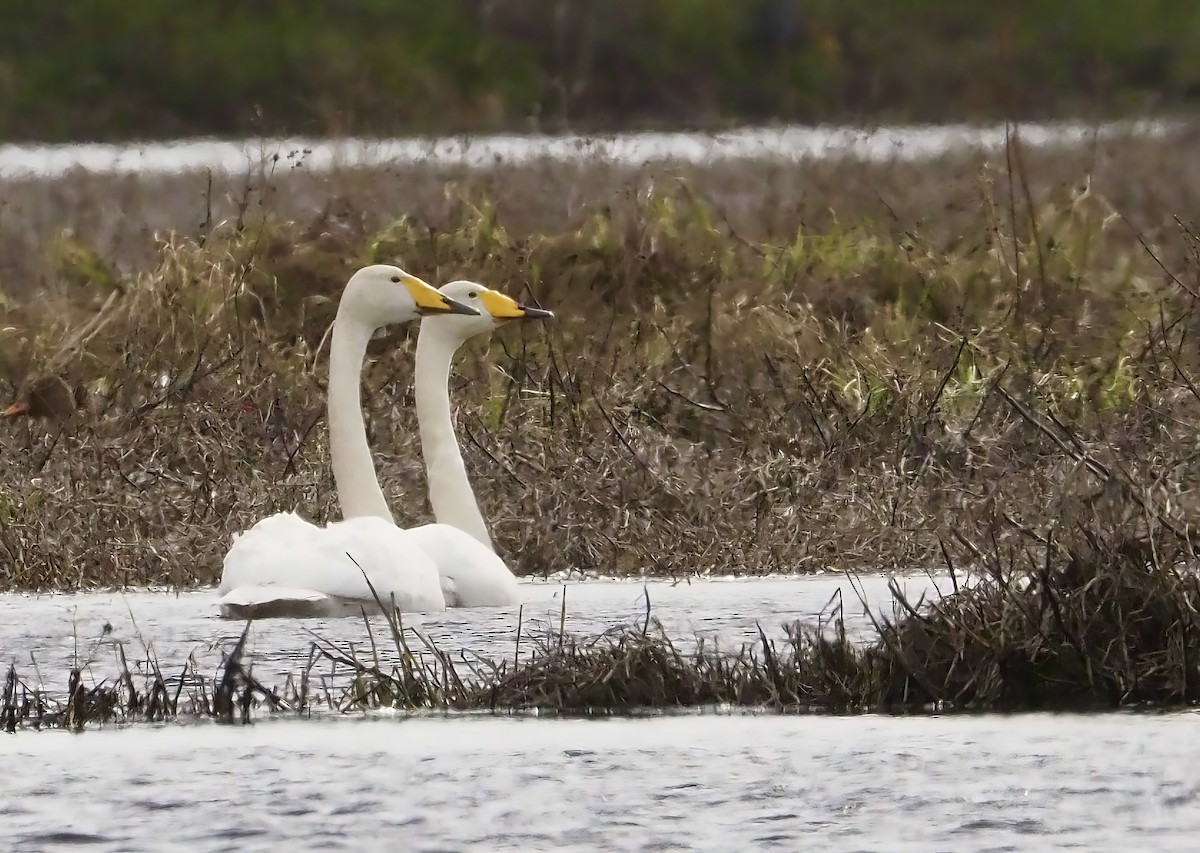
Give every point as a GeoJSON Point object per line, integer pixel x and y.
{"type": "Point", "coordinates": [673, 783]}
{"type": "Point", "coordinates": [789, 143]}
{"type": "Point", "coordinates": [698, 782]}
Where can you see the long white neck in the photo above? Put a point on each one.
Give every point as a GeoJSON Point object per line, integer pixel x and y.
{"type": "Point", "coordinates": [449, 489]}
{"type": "Point", "coordinates": [353, 471]}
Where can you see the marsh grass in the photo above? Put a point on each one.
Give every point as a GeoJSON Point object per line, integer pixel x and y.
{"type": "Point", "coordinates": [141, 693]}
{"type": "Point", "coordinates": [1097, 623]}
{"type": "Point", "coordinates": [714, 395]}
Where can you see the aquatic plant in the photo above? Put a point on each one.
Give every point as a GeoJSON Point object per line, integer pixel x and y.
{"type": "Point", "coordinates": [1102, 623]}
{"type": "Point", "coordinates": [125, 696]}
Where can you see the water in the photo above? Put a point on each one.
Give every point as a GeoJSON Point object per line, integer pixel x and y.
{"type": "Point", "coordinates": [53, 632]}
{"type": "Point", "coordinates": [711, 782]}
{"type": "Point", "coordinates": [785, 143]}
{"type": "Point", "coordinates": [696, 782]}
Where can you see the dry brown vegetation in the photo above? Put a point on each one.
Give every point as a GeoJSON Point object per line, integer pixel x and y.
{"type": "Point", "coordinates": [755, 367]}
{"type": "Point", "coordinates": [984, 368]}
{"type": "Point", "coordinates": [1100, 621]}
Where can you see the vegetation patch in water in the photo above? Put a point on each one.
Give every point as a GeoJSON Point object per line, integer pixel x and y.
{"type": "Point", "coordinates": [1099, 623]}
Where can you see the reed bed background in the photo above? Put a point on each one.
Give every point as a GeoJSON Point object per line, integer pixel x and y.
{"type": "Point", "coordinates": [754, 368]}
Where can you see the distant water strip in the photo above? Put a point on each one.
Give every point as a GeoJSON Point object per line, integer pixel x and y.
{"type": "Point", "coordinates": [784, 143]}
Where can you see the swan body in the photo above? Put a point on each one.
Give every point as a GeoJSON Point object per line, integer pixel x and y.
{"type": "Point", "coordinates": [284, 561]}
{"type": "Point", "coordinates": [284, 564]}
{"type": "Point", "coordinates": [472, 574]}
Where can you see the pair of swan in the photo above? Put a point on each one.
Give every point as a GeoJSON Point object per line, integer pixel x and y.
{"type": "Point", "coordinates": [284, 565]}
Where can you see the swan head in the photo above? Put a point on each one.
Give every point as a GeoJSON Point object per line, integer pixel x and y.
{"type": "Point", "coordinates": [495, 309]}
{"type": "Point", "coordinates": [382, 295]}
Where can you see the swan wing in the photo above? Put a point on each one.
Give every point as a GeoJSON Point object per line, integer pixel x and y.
{"type": "Point", "coordinates": [335, 561]}
{"type": "Point", "coordinates": [263, 553]}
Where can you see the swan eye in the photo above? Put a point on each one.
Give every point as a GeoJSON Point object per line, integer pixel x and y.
{"type": "Point", "coordinates": [472, 295]}
{"type": "Point", "coordinates": [396, 279]}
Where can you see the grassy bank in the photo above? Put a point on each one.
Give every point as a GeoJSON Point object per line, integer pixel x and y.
{"type": "Point", "coordinates": [107, 69]}
{"type": "Point", "coordinates": [726, 387]}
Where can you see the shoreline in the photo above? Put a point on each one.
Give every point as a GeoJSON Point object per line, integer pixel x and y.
{"type": "Point", "coordinates": [786, 143]}
{"type": "Point", "coordinates": [630, 670]}
{"type": "Point", "coordinates": [555, 579]}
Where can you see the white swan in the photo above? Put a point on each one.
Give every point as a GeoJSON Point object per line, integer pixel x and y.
{"type": "Point", "coordinates": [284, 565]}
{"type": "Point", "coordinates": [472, 574]}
